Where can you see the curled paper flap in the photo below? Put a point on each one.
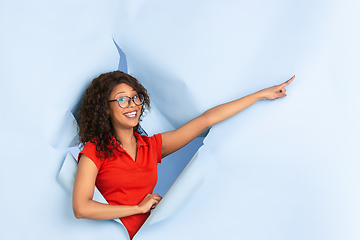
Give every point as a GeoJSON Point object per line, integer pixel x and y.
{"type": "Point", "coordinates": [67, 134]}
{"type": "Point", "coordinates": [180, 192]}
{"type": "Point", "coordinates": [122, 62]}
{"type": "Point", "coordinates": [74, 152]}
{"type": "Point", "coordinates": [67, 173]}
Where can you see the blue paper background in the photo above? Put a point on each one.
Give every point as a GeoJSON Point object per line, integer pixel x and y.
{"type": "Point", "coordinates": [287, 169]}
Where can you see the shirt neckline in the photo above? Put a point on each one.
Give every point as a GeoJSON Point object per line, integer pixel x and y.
{"type": "Point", "coordinates": [139, 143]}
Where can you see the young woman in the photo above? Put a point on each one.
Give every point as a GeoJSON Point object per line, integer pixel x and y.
{"type": "Point", "coordinates": [121, 162]}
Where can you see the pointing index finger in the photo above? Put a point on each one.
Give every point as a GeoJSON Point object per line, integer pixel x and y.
{"type": "Point", "coordinates": [287, 82]}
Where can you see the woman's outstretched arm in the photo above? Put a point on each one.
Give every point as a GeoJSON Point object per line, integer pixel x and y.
{"type": "Point", "coordinates": [85, 207]}
{"type": "Point", "coordinates": [174, 140]}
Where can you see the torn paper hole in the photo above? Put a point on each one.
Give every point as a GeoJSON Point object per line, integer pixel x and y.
{"type": "Point", "coordinates": [184, 187]}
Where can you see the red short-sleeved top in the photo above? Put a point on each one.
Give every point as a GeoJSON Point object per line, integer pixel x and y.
{"type": "Point", "coordinates": [123, 181]}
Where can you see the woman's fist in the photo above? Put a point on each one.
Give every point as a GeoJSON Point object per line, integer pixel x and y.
{"type": "Point", "coordinates": [149, 202]}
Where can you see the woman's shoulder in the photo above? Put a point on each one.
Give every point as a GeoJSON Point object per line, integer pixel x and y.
{"type": "Point", "coordinates": [90, 145]}
{"type": "Point", "coordinates": [89, 149]}
{"type": "Point", "coordinates": [146, 140]}
{"type": "Point", "coordinates": [154, 144]}
{"type": "Point", "coordinates": [151, 141]}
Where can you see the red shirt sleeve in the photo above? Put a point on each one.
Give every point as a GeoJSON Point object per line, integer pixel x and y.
{"type": "Point", "coordinates": [158, 143]}
{"type": "Point", "coordinates": [90, 151]}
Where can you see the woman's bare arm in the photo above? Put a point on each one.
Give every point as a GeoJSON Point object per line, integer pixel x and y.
{"type": "Point", "coordinates": [174, 140]}
{"type": "Point", "coordinates": [85, 207]}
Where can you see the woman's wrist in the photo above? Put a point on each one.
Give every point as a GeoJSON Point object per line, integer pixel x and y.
{"type": "Point", "coordinates": [260, 95]}
{"type": "Point", "coordinates": [138, 209]}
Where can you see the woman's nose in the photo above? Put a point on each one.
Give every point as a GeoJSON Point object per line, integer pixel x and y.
{"type": "Point", "coordinates": [132, 103]}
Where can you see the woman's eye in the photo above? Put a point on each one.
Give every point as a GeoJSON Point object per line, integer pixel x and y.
{"type": "Point", "coordinates": [122, 99]}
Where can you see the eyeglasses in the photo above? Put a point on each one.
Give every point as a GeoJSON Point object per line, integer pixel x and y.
{"type": "Point", "coordinates": [124, 102]}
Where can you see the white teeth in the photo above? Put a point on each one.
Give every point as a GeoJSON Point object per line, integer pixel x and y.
{"type": "Point", "coordinates": [130, 114]}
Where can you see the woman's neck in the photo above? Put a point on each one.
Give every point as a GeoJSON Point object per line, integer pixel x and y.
{"type": "Point", "coordinates": [125, 136]}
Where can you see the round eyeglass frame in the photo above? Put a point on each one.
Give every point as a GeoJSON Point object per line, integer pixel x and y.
{"type": "Point", "coordinates": [139, 95]}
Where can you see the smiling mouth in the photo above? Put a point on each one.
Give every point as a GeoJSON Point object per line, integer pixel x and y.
{"type": "Point", "coordinates": [131, 114]}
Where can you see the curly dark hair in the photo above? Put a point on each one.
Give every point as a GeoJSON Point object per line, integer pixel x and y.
{"type": "Point", "coordinates": [94, 118]}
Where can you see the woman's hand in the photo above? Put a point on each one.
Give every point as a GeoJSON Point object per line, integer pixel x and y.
{"type": "Point", "coordinates": [276, 91]}
{"type": "Point", "coordinates": [149, 202]}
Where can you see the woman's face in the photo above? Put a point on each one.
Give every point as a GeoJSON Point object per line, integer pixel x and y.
{"type": "Point", "coordinates": [124, 117]}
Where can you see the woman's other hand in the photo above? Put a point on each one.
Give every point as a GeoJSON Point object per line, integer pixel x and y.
{"type": "Point", "coordinates": [149, 202]}
{"type": "Point", "coordinates": [276, 91]}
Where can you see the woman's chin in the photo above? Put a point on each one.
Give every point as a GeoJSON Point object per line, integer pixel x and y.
{"type": "Point", "coordinates": [133, 123]}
